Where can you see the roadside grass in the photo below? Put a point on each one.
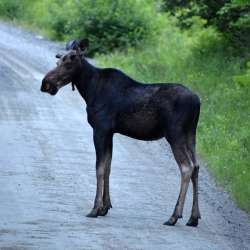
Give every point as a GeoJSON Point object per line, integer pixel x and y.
{"type": "Point", "coordinates": [224, 127]}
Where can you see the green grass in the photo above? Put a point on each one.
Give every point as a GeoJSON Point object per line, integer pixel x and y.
{"type": "Point", "coordinates": [224, 127]}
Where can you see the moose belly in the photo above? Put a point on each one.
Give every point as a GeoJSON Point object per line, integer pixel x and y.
{"type": "Point", "coordinates": [142, 125]}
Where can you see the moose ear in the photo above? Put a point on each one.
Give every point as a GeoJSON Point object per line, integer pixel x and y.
{"type": "Point", "coordinates": [83, 44]}
{"type": "Point", "coordinates": [72, 45]}
{"type": "Point", "coordinates": [58, 55]}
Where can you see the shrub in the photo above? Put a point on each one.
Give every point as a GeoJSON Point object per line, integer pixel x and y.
{"type": "Point", "coordinates": [110, 24]}
{"type": "Point", "coordinates": [107, 24]}
{"type": "Point", "coordinates": [59, 17]}
{"type": "Point", "coordinates": [243, 80]}
{"type": "Point", "coordinates": [10, 8]}
{"type": "Point", "coordinates": [231, 18]}
{"type": "Point", "coordinates": [234, 21]}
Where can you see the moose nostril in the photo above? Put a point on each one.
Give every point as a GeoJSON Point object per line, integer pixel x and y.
{"type": "Point", "coordinates": [46, 86]}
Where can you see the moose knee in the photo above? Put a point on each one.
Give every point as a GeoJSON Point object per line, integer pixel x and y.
{"type": "Point", "coordinates": [100, 171]}
{"type": "Point", "coordinates": [186, 171]}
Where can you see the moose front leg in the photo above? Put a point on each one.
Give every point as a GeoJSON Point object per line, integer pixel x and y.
{"type": "Point", "coordinates": [103, 147]}
{"type": "Point", "coordinates": [106, 196]}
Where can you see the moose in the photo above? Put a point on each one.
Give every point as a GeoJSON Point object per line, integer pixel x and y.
{"type": "Point", "coordinates": [115, 103]}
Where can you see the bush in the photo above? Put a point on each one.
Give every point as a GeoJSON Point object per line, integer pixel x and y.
{"type": "Point", "coordinates": [243, 80]}
{"type": "Point", "coordinates": [234, 21]}
{"type": "Point", "coordinates": [60, 14]}
{"type": "Point", "coordinates": [10, 9]}
{"type": "Point", "coordinates": [107, 24]}
{"type": "Point", "coordinates": [110, 24]}
{"type": "Point", "coordinates": [231, 18]}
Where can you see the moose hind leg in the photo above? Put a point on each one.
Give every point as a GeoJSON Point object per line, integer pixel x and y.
{"type": "Point", "coordinates": [186, 169]}
{"type": "Point", "coordinates": [195, 214]}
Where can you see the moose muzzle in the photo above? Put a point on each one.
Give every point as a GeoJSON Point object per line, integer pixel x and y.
{"type": "Point", "coordinates": [48, 84]}
{"type": "Point", "coordinates": [48, 87]}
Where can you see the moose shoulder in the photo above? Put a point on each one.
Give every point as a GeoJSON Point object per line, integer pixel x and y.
{"type": "Point", "coordinates": [118, 104]}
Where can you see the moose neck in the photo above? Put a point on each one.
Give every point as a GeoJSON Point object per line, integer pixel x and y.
{"type": "Point", "coordinates": [86, 81]}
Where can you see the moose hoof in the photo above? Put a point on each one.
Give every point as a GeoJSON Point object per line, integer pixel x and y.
{"type": "Point", "coordinates": [103, 211]}
{"type": "Point", "coordinates": [192, 222]}
{"type": "Point", "coordinates": [171, 222]}
{"type": "Point", "coordinates": [93, 213]}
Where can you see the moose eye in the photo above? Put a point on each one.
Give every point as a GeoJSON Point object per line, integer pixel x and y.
{"type": "Point", "coordinates": [72, 57]}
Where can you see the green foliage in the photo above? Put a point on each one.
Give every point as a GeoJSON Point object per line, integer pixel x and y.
{"type": "Point", "coordinates": [10, 8]}
{"type": "Point", "coordinates": [198, 59]}
{"type": "Point", "coordinates": [108, 24]}
{"type": "Point", "coordinates": [59, 17]}
{"type": "Point", "coordinates": [111, 24]}
{"type": "Point", "coordinates": [120, 24]}
{"type": "Point", "coordinates": [232, 18]}
{"type": "Point", "coordinates": [234, 21]}
{"type": "Point", "coordinates": [173, 5]}
{"type": "Point", "coordinates": [243, 80]}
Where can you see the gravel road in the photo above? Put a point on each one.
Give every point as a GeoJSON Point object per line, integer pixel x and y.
{"type": "Point", "coordinates": [47, 172]}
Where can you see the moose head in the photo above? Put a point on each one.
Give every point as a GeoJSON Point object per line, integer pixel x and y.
{"type": "Point", "coordinates": [67, 69]}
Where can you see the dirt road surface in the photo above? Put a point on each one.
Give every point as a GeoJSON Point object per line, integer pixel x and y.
{"type": "Point", "coordinates": [47, 172]}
